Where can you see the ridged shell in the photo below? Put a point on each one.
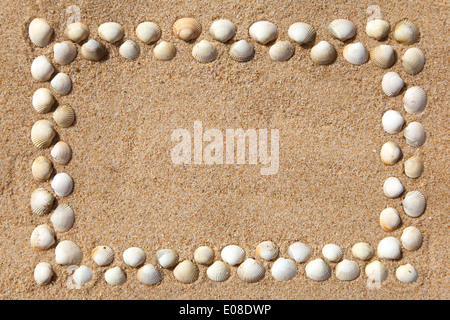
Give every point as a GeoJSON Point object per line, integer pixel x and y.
{"type": "Point", "coordinates": [40, 32]}
{"type": "Point", "coordinates": [301, 32]}
{"type": "Point", "coordinates": [42, 69]}
{"type": "Point", "coordinates": [43, 273]}
{"type": "Point", "coordinates": [134, 257]}
{"type": "Point", "coordinates": [406, 273]}
{"type": "Point", "coordinates": [414, 167]}
{"type": "Point", "coordinates": [164, 51]}
{"type": "Point", "coordinates": [204, 51]}
{"type": "Point", "coordinates": [376, 271]}
{"type": "Point", "coordinates": [332, 252]}
{"type": "Point", "coordinates": [187, 29]}
{"type": "Point", "coordinates": [129, 49]}
{"type": "Point", "coordinates": [300, 252]}
{"type": "Point", "coordinates": [41, 168]}
{"type": "Point", "coordinates": [414, 204]}
{"type": "Point", "coordinates": [61, 152]}
{"type": "Point", "coordinates": [77, 32]}
{"type": "Point", "coordinates": [167, 258]}
{"type": "Point", "coordinates": [383, 56]}
{"type": "Point", "coordinates": [281, 51]}
{"type": "Point", "coordinates": [413, 61]}
{"type": "Point", "coordinates": [43, 100]}
{"type": "Point", "coordinates": [356, 53]}
{"type": "Point", "coordinates": [392, 122]}
{"type": "Point", "coordinates": [149, 275]}
{"type": "Point", "coordinates": [62, 184]}
{"type": "Point", "coordinates": [389, 248]}
{"type": "Point", "coordinates": [93, 50]}
{"type": "Point", "coordinates": [42, 237]}
{"type": "Point", "coordinates": [68, 253]}
{"type": "Point", "coordinates": [406, 32]}
{"type": "Point", "coordinates": [62, 218]}
{"type": "Point", "coordinates": [284, 269]}
{"type": "Point", "coordinates": [64, 52]}
{"type": "Point", "coordinates": [148, 32]}
{"type": "Point", "coordinates": [267, 250]}
{"type": "Point", "coordinates": [263, 32]}
{"type": "Point", "coordinates": [342, 29]}
{"type": "Point", "coordinates": [233, 255]}
{"type": "Point", "coordinates": [242, 51]}
{"type": "Point", "coordinates": [82, 275]}
{"type": "Point", "coordinates": [186, 272]}
{"type": "Point", "coordinates": [347, 270]}
{"type": "Point", "coordinates": [204, 255]}
{"type": "Point", "coordinates": [64, 116]}
{"type": "Point", "coordinates": [393, 187]}
{"type": "Point", "coordinates": [378, 29]}
{"type": "Point", "coordinates": [61, 83]}
{"type": "Point", "coordinates": [251, 271]}
{"type": "Point", "coordinates": [318, 270]}
{"type": "Point", "coordinates": [390, 153]}
{"type": "Point", "coordinates": [222, 30]}
{"type": "Point", "coordinates": [111, 32]}
{"type": "Point", "coordinates": [415, 100]}
{"type": "Point", "coordinates": [390, 219]}
{"type": "Point", "coordinates": [115, 276]}
{"type": "Point", "coordinates": [102, 255]}
{"type": "Point", "coordinates": [392, 84]}
{"type": "Point", "coordinates": [415, 134]}
{"type": "Point", "coordinates": [411, 238]}
{"type": "Point", "coordinates": [42, 134]}
{"type": "Point", "coordinates": [363, 251]}
{"type": "Point", "coordinates": [41, 201]}
{"type": "Point", "coordinates": [219, 271]}
{"type": "Point", "coordinates": [323, 53]}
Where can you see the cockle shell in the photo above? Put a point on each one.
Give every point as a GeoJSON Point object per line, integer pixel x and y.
{"type": "Point", "coordinates": [406, 32]}
{"type": "Point", "coordinates": [186, 272]}
{"type": "Point", "coordinates": [148, 32]}
{"type": "Point", "coordinates": [393, 187]}
{"type": "Point", "coordinates": [347, 270]}
{"type": "Point", "coordinates": [111, 31]}
{"type": "Point", "coordinates": [115, 276]}
{"type": "Point", "coordinates": [134, 256]}
{"type": "Point", "coordinates": [363, 251]}
{"type": "Point", "coordinates": [411, 238]}
{"type": "Point", "coordinates": [42, 237]}
{"type": "Point", "coordinates": [251, 270]}
{"type": "Point", "coordinates": [82, 275]}
{"type": "Point", "coordinates": [390, 219]}
{"type": "Point", "coordinates": [390, 153]}
{"type": "Point", "coordinates": [129, 49]}
{"type": "Point", "coordinates": [77, 32]}
{"type": "Point", "coordinates": [323, 53]}
{"type": "Point", "coordinates": [219, 271]}
{"type": "Point", "coordinates": [64, 52]}
{"type": "Point", "coordinates": [414, 134]}
{"type": "Point", "coordinates": [187, 29]}
{"type": "Point", "coordinates": [242, 51]}
{"type": "Point", "coordinates": [233, 254]}
{"type": "Point", "coordinates": [263, 32]}
{"type": "Point", "coordinates": [376, 271]}
{"type": "Point", "coordinates": [389, 248]}
{"type": "Point", "coordinates": [300, 252]}
{"type": "Point", "coordinates": [42, 134]}
{"type": "Point", "coordinates": [301, 32]}
{"type": "Point", "coordinates": [62, 218]}
{"type": "Point", "coordinates": [342, 29]}
{"type": "Point", "coordinates": [43, 273]}
{"type": "Point", "coordinates": [64, 116]}
{"type": "Point", "coordinates": [413, 61]}
{"type": "Point", "coordinates": [40, 32]}
{"type": "Point", "coordinates": [383, 56]}
{"type": "Point", "coordinates": [318, 270]}
{"type": "Point", "coordinates": [149, 275]}
{"type": "Point", "coordinates": [61, 83]}
{"type": "Point", "coordinates": [204, 51]}
{"type": "Point", "coordinates": [41, 168]}
{"type": "Point", "coordinates": [406, 273]}
{"type": "Point", "coordinates": [41, 68]}
{"type": "Point", "coordinates": [61, 152]}
{"type": "Point", "coordinates": [355, 53]}
{"type": "Point", "coordinates": [222, 30]}
{"type": "Point", "coordinates": [414, 204]}
{"type": "Point", "coordinates": [392, 121]}
{"type": "Point", "coordinates": [378, 29]}
{"type": "Point", "coordinates": [414, 167]}
{"type": "Point", "coordinates": [164, 51]}
{"type": "Point", "coordinates": [93, 50]}
{"type": "Point", "coordinates": [62, 184]}
{"type": "Point", "coordinates": [102, 255]}
{"type": "Point", "coordinates": [267, 250]}
{"type": "Point", "coordinates": [204, 255]}
{"type": "Point", "coordinates": [68, 253]}
{"type": "Point", "coordinates": [284, 269]}
{"type": "Point", "coordinates": [41, 201]}
{"type": "Point", "coordinates": [281, 51]}
{"type": "Point", "coordinates": [43, 100]}
{"type": "Point", "coordinates": [332, 252]}
{"type": "Point", "coordinates": [167, 258]}
{"type": "Point", "coordinates": [392, 84]}
{"type": "Point", "coordinates": [415, 100]}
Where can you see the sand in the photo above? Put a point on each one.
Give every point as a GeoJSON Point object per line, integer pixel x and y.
{"type": "Point", "coordinates": [129, 193]}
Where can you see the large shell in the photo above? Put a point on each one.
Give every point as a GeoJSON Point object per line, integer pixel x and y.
{"type": "Point", "coordinates": [281, 51]}
{"type": "Point", "coordinates": [263, 32]}
{"type": "Point", "coordinates": [390, 219]}
{"type": "Point", "coordinates": [64, 116]}
{"type": "Point", "coordinates": [383, 56]}
{"type": "Point", "coordinates": [376, 271]}
{"type": "Point", "coordinates": [187, 29]}
{"type": "Point", "coordinates": [82, 275]}
{"type": "Point", "coordinates": [164, 51]}
{"type": "Point", "coordinates": [129, 49]}
{"type": "Point", "coordinates": [222, 30]}
{"type": "Point", "coordinates": [134, 257]}
{"type": "Point", "coordinates": [167, 258]}
{"type": "Point", "coordinates": [41, 168]}
{"type": "Point", "coordinates": [40, 32]}
{"type": "Point", "coordinates": [251, 270]}
{"type": "Point", "coordinates": [363, 251]}
{"type": "Point", "coordinates": [267, 250]}
{"type": "Point", "coordinates": [61, 83]}
{"type": "Point", "coordinates": [233, 254]}
{"type": "Point", "coordinates": [149, 275]}
{"type": "Point", "coordinates": [93, 50]}
{"type": "Point", "coordinates": [392, 121]}
{"type": "Point", "coordinates": [413, 61]}
{"type": "Point", "coordinates": [68, 253]}
{"type": "Point", "coordinates": [392, 84]}
{"type": "Point", "coordinates": [186, 272]}
{"type": "Point", "coordinates": [204, 51]}
{"type": "Point", "coordinates": [390, 153]}
{"type": "Point", "coordinates": [204, 255]}
{"type": "Point", "coordinates": [42, 134]}
{"type": "Point", "coordinates": [284, 269]}
{"type": "Point", "coordinates": [393, 187]}
{"type": "Point", "coordinates": [64, 52]}
{"type": "Point", "coordinates": [301, 32]}
{"type": "Point", "coordinates": [148, 32]}
{"type": "Point", "coordinates": [115, 276]}
{"type": "Point", "coordinates": [62, 218]}
{"type": "Point", "coordinates": [414, 167]}
{"type": "Point", "coordinates": [300, 252]}
{"type": "Point", "coordinates": [61, 152]}
{"type": "Point", "coordinates": [355, 53]}
{"type": "Point", "coordinates": [102, 255]}
{"type": "Point", "coordinates": [347, 270]}
{"type": "Point", "coordinates": [242, 51]}
{"type": "Point", "coordinates": [42, 69]}
{"type": "Point", "coordinates": [111, 31]}
{"type": "Point", "coordinates": [318, 270]}
{"type": "Point", "coordinates": [41, 201]}
{"type": "Point", "coordinates": [43, 273]}
{"type": "Point", "coordinates": [42, 237]}
{"type": "Point", "coordinates": [378, 29]}
{"type": "Point", "coordinates": [411, 238]}
{"type": "Point", "coordinates": [414, 204]}
{"type": "Point", "coordinates": [406, 273]}
{"type": "Point", "coordinates": [415, 100]}
{"type": "Point", "coordinates": [323, 53]}
{"type": "Point", "coordinates": [62, 184]}
{"type": "Point", "coordinates": [219, 271]}
{"type": "Point", "coordinates": [414, 134]}
{"type": "Point", "coordinates": [342, 29]}
{"type": "Point", "coordinates": [332, 252]}
{"type": "Point", "coordinates": [77, 32]}
{"type": "Point", "coordinates": [406, 32]}
{"type": "Point", "coordinates": [389, 248]}
{"type": "Point", "coordinates": [43, 100]}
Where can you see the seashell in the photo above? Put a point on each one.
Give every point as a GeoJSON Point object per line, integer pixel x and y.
{"type": "Point", "coordinates": [41, 168]}
{"type": "Point", "coordinates": [413, 61]}
{"type": "Point", "coordinates": [342, 29]}
{"type": "Point", "coordinates": [40, 32]}
{"type": "Point", "coordinates": [281, 51]}
{"type": "Point", "coordinates": [93, 50]}
{"type": "Point", "coordinates": [332, 252]}
{"type": "Point", "coordinates": [301, 32]}
{"type": "Point", "coordinates": [222, 30]}
{"type": "Point", "coordinates": [378, 29]}
{"type": "Point", "coordinates": [267, 250]}
{"type": "Point", "coordinates": [263, 32]}
{"type": "Point", "coordinates": [115, 276]}
{"type": "Point", "coordinates": [362, 251]}
{"type": "Point", "coordinates": [390, 153]}
{"type": "Point", "coordinates": [411, 238]}
{"type": "Point", "coordinates": [406, 32]}
{"type": "Point", "coordinates": [129, 49]}
{"type": "Point", "coordinates": [414, 204]}
{"type": "Point", "coordinates": [62, 218]}
{"type": "Point", "coordinates": [41, 68]}
{"type": "Point", "coordinates": [204, 255]}
{"type": "Point", "coordinates": [61, 152]}
{"type": "Point", "coordinates": [414, 100]}
{"type": "Point", "coordinates": [355, 53]}
{"type": "Point", "coordinates": [187, 29]}
{"type": "Point", "coordinates": [68, 253]}
{"type": "Point", "coordinates": [318, 270]}
{"type": "Point", "coordinates": [323, 53]}
{"type": "Point", "coordinates": [64, 116]}
{"type": "Point", "coordinates": [64, 52]}
{"type": "Point", "coordinates": [102, 255]}
{"type": "Point", "coordinates": [82, 275]}
{"type": "Point", "coordinates": [41, 201]}
{"type": "Point", "coordinates": [148, 274]}
{"type": "Point", "coordinates": [392, 84]}
{"type": "Point", "coordinates": [164, 51]}
{"type": "Point", "coordinates": [42, 134]}
{"type": "Point", "coordinates": [414, 134]}
{"type": "Point", "coordinates": [414, 167]}
{"type": "Point", "coordinates": [390, 219]}
{"type": "Point", "coordinates": [77, 32]}
{"type": "Point", "coordinates": [284, 269]}
{"type": "Point", "coordinates": [251, 270]}
{"type": "Point", "coordinates": [392, 122]}
{"type": "Point", "coordinates": [148, 32]}
{"type": "Point", "coordinates": [392, 187]}
{"type": "Point", "coordinates": [219, 271]}
{"type": "Point", "coordinates": [204, 51]}
{"type": "Point", "coordinates": [42, 237]}
{"type": "Point", "coordinates": [62, 184]}
{"type": "Point", "coordinates": [233, 255]}
{"type": "Point", "coordinates": [242, 51]}
{"type": "Point", "coordinates": [406, 273]}
{"type": "Point", "coordinates": [167, 258]}
{"type": "Point", "coordinates": [389, 248]}
{"type": "Point", "coordinates": [186, 272]}
{"type": "Point", "coordinates": [134, 257]}
{"type": "Point", "coordinates": [43, 273]}
{"type": "Point", "coordinates": [383, 56]}
{"type": "Point", "coordinates": [43, 100]}
{"type": "Point", "coordinates": [111, 32]}
{"type": "Point", "coordinates": [300, 252]}
{"type": "Point", "coordinates": [376, 271]}
{"type": "Point", "coordinates": [347, 270]}
{"type": "Point", "coordinates": [61, 83]}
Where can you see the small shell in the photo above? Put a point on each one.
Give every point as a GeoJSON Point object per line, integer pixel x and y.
{"type": "Point", "coordinates": [164, 51]}
{"type": "Point", "coordinates": [406, 32]}
{"type": "Point", "coordinates": [61, 83]}
{"type": "Point", "coordinates": [300, 252]}
{"type": "Point", "coordinates": [267, 250]}
{"type": "Point", "coordinates": [413, 61]}
{"type": "Point", "coordinates": [40, 32]}
{"type": "Point", "coordinates": [111, 32]}
{"type": "Point", "coordinates": [64, 52]}
{"type": "Point", "coordinates": [82, 275]}
{"type": "Point", "coordinates": [392, 121]}
{"type": "Point", "coordinates": [204, 255]}
{"type": "Point", "coordinates": [363, 251]}
{"type": "Point", "coordinates": [102, 255]}
{"type": "Point", "coordinates": [318, 270]}
{"type": "Point", "coordinates": [62, 184]}
{"type": "Point", "coordinates": [42, 69]}
{"type": "Point", "coordinates": [301, 32]}
{"type": "Point", "coordinates": [392, 84]}
{"type": "Point", "coordinates": [356, 53]}
{"type": "Point", "coordinates": [43, 273]}
{"type": "Point", "coordinates": [222, 30]}
{"type": "Point", "coordinates": [389, 248]}
{"type": "Point", "coordinates": [393, 187]}
{"type": "Point", "coordinates": [43, 100]}
{"type": "Point", "coordinates": [41, 201]}
{"type": "Point", "coordinates": [64, 116]}
{"type": "Point", "coordinates": [378, 29]}
{"type": "Point", "coordinates": [383, 56]}
{"type": "Point", "coordinates": [134, 257]}
{"type": "Point", "coordinates": [414, 204]}
{"type": "Point", "coordinates": [281, 51]}
{"type": "Point", "coordinates": [390, 153]}
{"type": "Point", "coordinates": [186, 272]}
{"type": "Point", "coordinates": [414, 167]}
{"type": "Point", "coordinates": [62, 218]}
{"type": "Point", "coordinates": [129, 49]}
{"type": "Point", "coordinates": [149, 275]}
{"type": "Point", "coordinates": [242, 51]}
{"type": "Point", "coordinates": [414, 134]}
{"type": "Point", "coordinates": [93, 50]}
{"type": "Point", "coordinates": [61, 152]}
{"type": "Point", "coordinates": [284, 269]}
{"type": "Point", "coordinates": [415, 100]}
{"type": "Point", "coordinates": [263, 32]}
{"type": "Point", "coordinates": [233, 255]}
{"type": "Point", "coordinates": [406, 273]}
{"type": "Point", "coordinates": [77, 32]}
{"type": "Point", "coordinates": [376, 271]}
{"type": "Point", "coordinates": [323, 53]}
{"type": "Point", "coordinates": [68, 253]}
{"type": "Point", "coordinates": [167, 258]}
{"type": "Point", "coordinates": [204, 51]}
{"type": "Point", "coordinates": [115, 276]}
{"type": "Point", "coordinates": [42, 237]}
{"type": "Point", "coordinates": [342, 29]}
{"type": "Point", "coordinates": [42, 134]}
{"type": "Point", "coordinates": [219, 271]}
{"type": "Point", "coordinates": [148, 32]}
{"type": "Point", "coordinates": [332, 252]}
{"type": "Point", "coordinates": [390, 219]}
{"type": "Point", "coordinates": [411, 238]}
{"type": "Point", "coordinates": [251, 271]}
{"type": "Point", "coordinates": [347, 270]}
{"type": "Point", "coordinates": [41, 168]}
{"type": "Point", "coordinates": [187, 29]}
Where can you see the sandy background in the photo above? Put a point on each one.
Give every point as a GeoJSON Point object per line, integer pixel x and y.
{"type": "Point", "coordinates": [128, 193]}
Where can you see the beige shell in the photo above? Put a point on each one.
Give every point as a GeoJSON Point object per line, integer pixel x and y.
{"type": "Point", "coordinates": [389, 248]}
{"type": "Point", "coordinates": [267, 250]}
{"type": "Point", "coordinates": [186, 272]}
{"type": "Point", "coordinates": [64, 52]}
{"type": "Point", "coordinates": [42, 69]}
{"type": "Point", "coordinates": [76, 32]}
{"type": "Point", "coordinates": [301, 32]}
{"type": "Point", "coordinates": [355, 53]}
{"type": "Point", "coordinates": [411, 238]}
{"type": "Point", "coordinates": [115, 276]}
{"type": "Point", "coordinates": [82, 275]}
{"type": "Point", "coordinates": [284, 269]}
{"type": "Point", "coordinates": [111, 32]}
{"type": "Point", "coordinates": [263, 32]}
{"type": "Point", "coordinates": [332, 252]}
{"type": "Point", "coordinates": [376, 271]}
{"type": "Point", "coordinates": [363, 251]}
{"type": "Point", "coordinates": [42, 134]}
{"type": "Point", "coordinates": [102, 255]}
{"type": "Point", "coordinates": [413, 61]}
{"type": "Point", "coordinates": [347, 270]}
{"type": "Point", "coordinates": [323, 53]}
{"type": "Point", "coordinates": [281, 51]}
{"type": "Point", "coordinates": [40, 32]}
{"type": "Point", "coordinates": [318, 270]}
{"type": "Point", "coordinates": [134, 257]}
{"type": "Point", "coordinates": [242, 51]}
{"type": "Point", "coordinates": [406, 32]}
{"type": "Point", "coordinates": [392, 84]}
{"type": "Point", "coordinates": [233, 254]}
{"type": "Point", "coordinates": [61, 153]}
{"type": "Point", "coordinates": [68, 253]}
{"type": "Point", "coordinates": [406, 273]}
{"type": "Point", "coordinates": [41, 168]}
{"type": "Point", "coordinates": [222, 30]}
{"type": "Point", "coordinates": [93, 50]}
{"type": "Point", "coordinates": [392, 122]}
{"type": "Point", "coordinates": [129, 49]}
{"type": "Point", "coordinates": [414, 167]}
{"type": "Point", "coordinates": [219, 271]}
{"type": "Point", "coordinates": [43, 100]}
{"type": "Point", "coordinates": [204, 255]}
{"type": "Point", "coordinates": [204, 51]}
{"type": "Point", "coordinates": [41, 201]}
{"type": "Point", "coordinates": [251, 271]}
{"type": "Point", "coordinates": [42, 237]}
{"type": "Point", "coordinates": [378, 29]}
{"type": "Point", "coordinates": [187, 29]}
{"type": "Point", "coordinates": [415, 100]}
{"type": "Point", "coordinates": [383, 56]}
{"type": "Point", "coordinates": [148, 32]}
{"type": "Point", "coordinates": [390, 219]}
{"type": "Point", "coordinates": [414, 134]}
{"type": "Point", "coordinates": [393, 187]}
{"type": "Point", "coordinates": [61, 83]}
{"type": "Point", "coordinates": [164, 51]}
{"type": "Point", "coordinates": [300, 252]}
{"type": "Point", "coordinates": [342, 29]}
{"type": "Point", "coordinates": [64, 116]}
{"type": "Point", "coordinates": [390, 153]}
{"type": "Point", "coordinates": [62, 184]}
{"type": "Point", "coordinates": [149, 275]}
{"type": "Point", "coordinates": [167, 258]}
{"type": "Point", "coordinates": [414, 204]}
{"type": "Point", "coordinates": [62, 218]}
{"type": "Point", "coordinates": [43, 273]}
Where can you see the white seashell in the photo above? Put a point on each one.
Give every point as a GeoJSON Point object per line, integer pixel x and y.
{"type": "Point", "coordinates": [186, 272]}
{"type": "Point", "coordinates": [62, 184]}
{"type": "Point", "coordinates": [414, 167]}
{"type": "Point", "coordinates": [111, 32]}
{"type": "Point", "coordinates": [413, 61]}
{"type": "Point", "coordinates": [62, 218]}
{"type": "Point", "coordinates": [263, 32]}
{"type": "Point", "coordinates": [61, 152]}
{"type": "Point", "coordinates": [383, 56]}
{"type": "Point", "coordinates": [415, 100]}
{"type": "Point", "coordinates": [82, 275]}
{"type": "Point", "coordinates": [64, 52]}
{"type": "Point", "coordinates": [64, 116]}
{"type": "Point", "coordinates": [378, 29]}
{"type": "Point", "coordinates": [42, 134]}
{"type": "Point", "coordinates": [77, 32]}
{"type": "Point", "coordinates": [42, 69]}
{"type": "Point", "coordinates": [301, 32]}
{"type": "Point", "coordinates": [164, 51]}
{"type": "Point", "coordinates": [233, 255]}
{"type": "Point", "coordinates": [281, 51]}
{"type": "Point", "coordinates": [167, 258]}
{"type": "Point", "coordinates": [242, 51]}
{"type": "Point", "coordinates": [300, 252]}
{"type": "Point", "coordinates": [93, 50]}
{"type": "Point", "coordinates": [406, 32]}
{"type": "Point", "coordinates": [129, 49]}
{"type": "Point", "coordinates": [219, 271]}
{"type": "Point", "coordinates": [392, 121]}
{"type": "Point", "coordinates": [115, 276]}
{"type": "Point", "coordinates": [376, 271]}
{"type": "Point", "coordinates": [390, 219]}
{"type": "Point", "coordinates": [204, 51]}
{"type": "Point", "coordinates": [411, 238]}
{"type": "Point", "coordinates": [41, 168]}
{"type": "Point", "coordinates": [342, 29]}
{"type": "Point", "coordinates": [414, 204]}
{"type": "Point", "coordinates": [392, 84]}
{"type": "Point", "coordinates": [61, 83]}
{"type": "Point", "coordinates": [332, 252]}
{"type": "Point", "coordinates": [187, 29]}
{"type": "Point", "coordinates": [40, 32]}
{"type": "Point", "coordinates": [134, 257]}
{"type": "Point", "coordinates": [323, 53]}
{"type": "Point", "coordinates": [148, 32]}
{"type": "Point", "coordinates": [68, 253]}
{"type": "Point", "coordinates": [284, 269]}
{"type": "Point", "coordinates": [149, 275]}
{"type": "Point", "coordinates": [389, 248]}
{"type": "Point", "coordinates": [414, 134]}
{"type": "Point", "coordinates": [347, 270]}
{"type": "Point", "coordinates": [41, 201]}
{"type": "Point", "coordinates": [204, 255]}
{"type": "Point", "coordinates": [355, 53]}
{"type": "Point", "coordinates": [363, 251]}
{"type": "Point", "coordinates": [42, 237]}
{"type": "Point", "coordinates": [102, 255]}
{"type": "Point", "coordinates": [392, 187]}
{"type": "Point", "coordinates": [267, 250]}
{"type": "Point", "coordinates": [222, 30]}
{"type": "Point", "coordinates": [251, 271]}
{"type": "Point", "coordinates": [43, 100]}
{"type": "Point", "coordinates": [43, 273]}
{"type": "Point", "coordinates": [318, 270]}
{"type": "Point", "coordinates": [406, 273]}
{"type": "Point", "coordinates": [390, 153]}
